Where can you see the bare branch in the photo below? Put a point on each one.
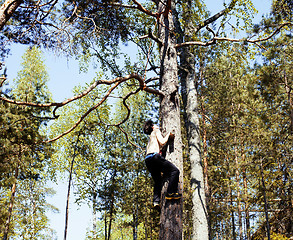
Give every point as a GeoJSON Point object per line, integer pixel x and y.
{"type": "Point", "coordinates": [3, 79]}
{"type": "Point", "coordinates": [84, 93]}
{"type": "Point", "coordinates": [216, 16]}
{"type": "Point", "coordinates": [116, 82]}
{"type": "Point", "coordinates": [84, 115]}
{"type": "Point", "coordinates": [122, 5]}
{"type": "Point", "coordinates": [127, 138]}
{"type": "Point", "coordinates": [198, 43]}
{"type": "Point", "coordinates": [141, 8]}
{"type": "Point", "coordinates": [215, 38]}
{"type": "Point", "coordinates": [256, 40]}
{"type": "Point", "coordinates": [156, 39]}
{"type": "Point", "coordinates": [60, 104]}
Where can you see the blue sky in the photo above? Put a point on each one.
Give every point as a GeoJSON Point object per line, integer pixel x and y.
{"type": "Point", "coordinates": [64, 75]}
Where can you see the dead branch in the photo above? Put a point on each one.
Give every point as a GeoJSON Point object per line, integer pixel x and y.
{"type": "Point", "coordinates": [116, 82]}
{"type": "Point", "coordinates": [127, 138]}
{"type": "Point", "coordinates": [215, 38]}
{"type": "Point", "coordinates": [141, 8]}
{"type": "Point", "coordinates": [216, 16]}
{"type": "Point", "coordinates": [84, 93]}
{"type": "Point", "coordinates": [256, 40]}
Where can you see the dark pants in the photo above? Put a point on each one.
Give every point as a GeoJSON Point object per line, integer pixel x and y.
{"type": "Point", "coordinates": [157, 165]}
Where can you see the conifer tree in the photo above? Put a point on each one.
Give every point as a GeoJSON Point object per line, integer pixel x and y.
{"type": "Point", "coordinates": [26, 157]}
{"type": "Point", "coordinates": [128, 22]}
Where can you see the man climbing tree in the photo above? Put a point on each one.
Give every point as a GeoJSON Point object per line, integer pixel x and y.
{"type": "Point", "coordinates": [157, 164]}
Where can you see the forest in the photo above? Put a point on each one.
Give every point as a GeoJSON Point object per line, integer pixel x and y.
{"type": "Point", "coordinates": [221, 82]}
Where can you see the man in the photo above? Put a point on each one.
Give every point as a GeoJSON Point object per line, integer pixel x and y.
{"type": "Point", "coordinates": [157, 164]}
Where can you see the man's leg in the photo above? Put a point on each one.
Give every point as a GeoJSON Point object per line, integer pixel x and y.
{"type": "Point", "coordinates": [158, 186]}
{"type": "Point", "coordinates": [171, 172]}
{"type": "Point", "coordinates": [154, 169]}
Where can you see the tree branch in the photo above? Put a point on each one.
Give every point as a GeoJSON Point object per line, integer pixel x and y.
{"type": "Point", "coordinates": [84, 93]}
{"type": "Point", "coordinates": [167, 9]}
{"type": "Point", "coordinates": [127, 138]}
{"type": "Point", "coordinates": [116, 82]}
{"type": "Point", "coordinates": [198, 43]}
{"type": "Point", "coordinates": [84, 115]}
{"type": "Point", "coordinates": [156, 39]}
{"type": "Point", "coordinates": [256, 40]}
{"type": "Point", "coordinates": [216, 16]}
{"type": "Point", "coordinates": [215, 38]}
{"type": "Point", "coordinates": [141, 8]}
{"type": "Point", "coordinates": [6, 11]}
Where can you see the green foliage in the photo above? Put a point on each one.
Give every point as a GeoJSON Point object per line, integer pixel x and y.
{"type": "Point", "coordinates": [23, 156]}
{"type": "Point", "coordinates": [282, 10]}
{"type": "Point", "coordinates": [30, 220]}
{"type": "Point", "coordinates": [252, 127]}
{"type": "Point", "coordinates": [33, 23]}
{"type": "Point", "coordinates": [247, 118]}
{"type": "Point", "coordinates": [109, 173]}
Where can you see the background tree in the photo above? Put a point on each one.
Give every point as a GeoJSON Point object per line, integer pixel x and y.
{"type": "Point", "coordinates": [167, 35]}
{"type": "Point", "coordinates": [21, 158]}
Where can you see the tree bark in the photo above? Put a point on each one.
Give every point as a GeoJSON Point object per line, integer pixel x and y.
{"type": "Point", "coordinates": [246, 202]}
{"type": "Point", "coordinates": [190, 102]}
{"type": "Point", "coordinates": [171, 226]}
{"type": "Point", "coordinates": [13, 190]}
{"type": "Point", "coordinates": [191, 110]}
{"type": "Point", "coordinates": [265, 200]}
{"type": "Point", "coordinates": [7, 9]}
{"type": "Point", "coordinates": [69, 186]}
{"type": "Point", "coordinates": [237, 173]}
{"type": "Point", "coordinates": [289, 92]}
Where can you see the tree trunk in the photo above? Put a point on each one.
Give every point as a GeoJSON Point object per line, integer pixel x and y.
{"type": "Point", "coordinates": [237, 173]}
{"type": "Point", "coordinates": [13, 190]}
{"type": "Point", "coordinates": [205, 158]}
{"type": "Point", "coordinates": [230, 191]}
{"type": "Point", "coordinates": [112, 202]}
{"type": "Point", "coordinates": [190, 102]}
{"type": "Point", "coordinates": [69, 186]}
{"type": "Point", "coordinates": [7, 9]}
{"type": "Point", "coordinates": [191, 114]}
{"type": "Point", "coordinates": [68, 197]}
{"type": "Point", "coordinates": [265, 200]}
{"type": "Point", "coordinates": [289, 92]}
{"type": "Point", "coordinates": [247, 217]}
{"type": "Point", "coordinates": [171, 226]}
{"type": "Point", "coordinates": [94, 214]}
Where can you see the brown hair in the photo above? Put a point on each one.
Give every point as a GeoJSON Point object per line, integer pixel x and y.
{"type": "Point", "coordinates": [148, 127]}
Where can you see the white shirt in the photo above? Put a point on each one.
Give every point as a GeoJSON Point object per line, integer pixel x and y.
{"type": "Point", "coordinates": [156, 140]}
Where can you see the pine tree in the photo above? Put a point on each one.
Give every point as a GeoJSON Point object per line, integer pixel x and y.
{"type": "Point", "coordinates": [26, 156]}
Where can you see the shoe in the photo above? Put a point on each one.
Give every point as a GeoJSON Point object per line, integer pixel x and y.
{"type": "Point", "coordinates": [156, 205]}
{"type": "Point", "coordinates": [170, 196]}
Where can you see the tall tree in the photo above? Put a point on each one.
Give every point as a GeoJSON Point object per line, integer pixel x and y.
{"type": "Point", "coordinates": [25, 160]}
{"type": "Point", "coordinates": [165, 34]}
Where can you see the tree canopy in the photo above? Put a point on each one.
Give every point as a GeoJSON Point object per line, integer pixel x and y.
{"type": "Point", "coordinates": [223, 84]}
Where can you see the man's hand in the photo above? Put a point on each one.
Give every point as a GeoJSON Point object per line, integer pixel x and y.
{"type": "Point", "coordinates": [172, 134]}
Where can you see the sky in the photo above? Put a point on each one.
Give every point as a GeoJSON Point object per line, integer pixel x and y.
{"type": "Point", "coordinates": [64, 75]}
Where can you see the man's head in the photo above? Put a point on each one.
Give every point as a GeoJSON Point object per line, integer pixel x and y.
{"type": "Point", "coordinates": [148, 127]}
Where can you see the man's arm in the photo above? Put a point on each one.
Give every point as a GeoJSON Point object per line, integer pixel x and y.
{"type": "Point", "coordinates": [162, 140]}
